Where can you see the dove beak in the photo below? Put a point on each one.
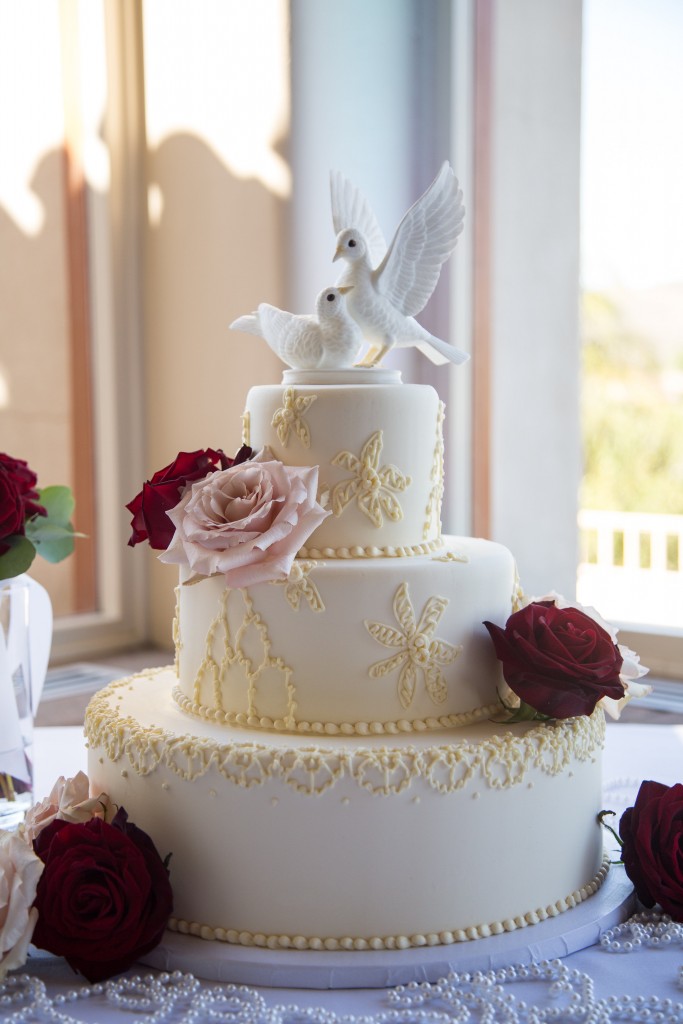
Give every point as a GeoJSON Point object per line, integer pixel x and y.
{"type": "Point", "coordinates": [339, 252]}
{"type": "Point", "coordinates": [345, 289]}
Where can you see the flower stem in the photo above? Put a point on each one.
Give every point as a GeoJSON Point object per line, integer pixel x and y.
{"type": "Point", "coordinates": [601, 820]}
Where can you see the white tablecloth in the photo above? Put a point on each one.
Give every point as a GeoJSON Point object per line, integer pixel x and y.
{"type": "Point", "coordinates": [633, 753]}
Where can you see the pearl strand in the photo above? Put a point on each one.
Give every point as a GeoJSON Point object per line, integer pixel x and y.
{"type": "Point", "coordinates": [649, 928]}
{"type": "Point", "coordinates": [568, 995]}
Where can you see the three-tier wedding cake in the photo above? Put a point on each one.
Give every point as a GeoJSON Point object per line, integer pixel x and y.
{"type": "Point", "coordinates": [323, 761]}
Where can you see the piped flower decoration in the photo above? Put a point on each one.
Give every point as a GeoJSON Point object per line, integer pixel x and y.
{"type": "Point", "coordinates": [291, 417]}
{"type": "Point", "coordinates": [372, 485]}
{"type": "Point", "coordinates": [417, 649]}
{"type": "Point", "coordinates": [299, 586]}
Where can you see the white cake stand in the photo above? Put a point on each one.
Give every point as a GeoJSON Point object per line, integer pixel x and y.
{"type": "Point", "coordinates": [554, 938]}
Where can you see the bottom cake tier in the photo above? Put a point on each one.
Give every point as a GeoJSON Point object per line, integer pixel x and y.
{"type": "Point", "coordinates": [361, 843]}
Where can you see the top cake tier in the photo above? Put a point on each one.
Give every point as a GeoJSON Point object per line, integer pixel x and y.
{"type": "Point", "coordinates": [379, 447]}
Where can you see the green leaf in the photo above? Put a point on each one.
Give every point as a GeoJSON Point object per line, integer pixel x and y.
{"type": "Point", "coordinates": [59, 503]}
{"type": "Point", "coordinates": [19, 557]}
{"type": "Point", "coordinates": [53, 535]}
{"type": "Point", "coordinates": [524, 713]}
{"type": "Point", "coordinates": [54, 543]}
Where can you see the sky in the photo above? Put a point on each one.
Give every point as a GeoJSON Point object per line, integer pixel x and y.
{"type": "Point", "coordinates": [632, 143]}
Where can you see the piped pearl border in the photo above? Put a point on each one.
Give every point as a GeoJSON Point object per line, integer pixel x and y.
{"type": "Point", "coordinates": [444, 938]}
{"type": "Point", "coordinates": [402, 726]}
{"type": "Point", "coordinates": [425, 548]}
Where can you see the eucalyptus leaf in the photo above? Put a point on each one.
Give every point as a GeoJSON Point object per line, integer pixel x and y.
{"type": "Point", "coordinates": [55, 543]}
{"type": "Point", "coordinates": [19, 557]}
{"type": "Point", "coordinates": [58, 502]}
{"type": "Point", "coordinates": [42, 530]}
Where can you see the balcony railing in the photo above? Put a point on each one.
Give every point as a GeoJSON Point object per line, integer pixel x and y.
{"type": "Point", "coordinates": [631, 566]}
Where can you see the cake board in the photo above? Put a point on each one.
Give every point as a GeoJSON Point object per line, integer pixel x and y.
{"type": "Point", "coordinates": [554, 938]}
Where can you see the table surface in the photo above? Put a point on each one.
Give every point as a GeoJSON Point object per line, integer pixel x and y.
{"type": "Point", "coordinates": [632, 753]}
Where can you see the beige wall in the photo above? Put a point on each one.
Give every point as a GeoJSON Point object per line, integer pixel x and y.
{"type": "Point", "coordinates": [214, 240]}
{"type": "Point", "coordinates": [35, 387]}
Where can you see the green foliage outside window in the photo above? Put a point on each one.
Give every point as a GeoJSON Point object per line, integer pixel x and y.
{"type": "Point", "coordinates": [632, 416]}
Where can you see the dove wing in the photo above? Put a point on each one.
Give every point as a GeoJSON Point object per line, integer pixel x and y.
{"type": "Point", "coordinates": [249, 324]}
{"type": "Point", "coordinates": [350, 209]}
{"type": "Point", "coordinates": [424, 239]}
{"type": "Point", "coordinates": [277, 325]}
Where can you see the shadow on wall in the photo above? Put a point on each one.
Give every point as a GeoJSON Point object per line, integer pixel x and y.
{"type": "Point", "coordinates": [35, 380]}
{"type": "Point", "coordinates": [215, 247]}
{"type": "Point", "coordinates": [214, 250]}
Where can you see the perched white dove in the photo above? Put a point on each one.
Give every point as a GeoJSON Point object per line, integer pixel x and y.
{"type": "Point", "coordinates": [391, 285]}
{"type": "Point", "coordinates": [327, 340]}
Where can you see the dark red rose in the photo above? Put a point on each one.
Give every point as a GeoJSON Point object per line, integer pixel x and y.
{"type": "Point", "coordinates": [652, 835]}
{"type": "Point", "coordinates": [25, 480]}
{"type": "Point", "coordinates": [165, 489]}
{"type": "Point", "coordinates": [104, 897]}
{"type": "Point", "coordinates": [559, 661]}
{"type": "Point", "coordinates": [11, 510]}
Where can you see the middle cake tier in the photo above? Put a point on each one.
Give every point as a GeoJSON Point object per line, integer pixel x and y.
{"type": "Point", "coordinates": [362, 646]}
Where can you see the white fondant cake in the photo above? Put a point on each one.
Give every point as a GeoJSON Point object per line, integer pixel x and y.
{"type": "Point", "coordinates": [354, 843]}
{"type": "Point", "coordinates": [321, 762]}
{"type": "Point", "coordinates": [349, 647]}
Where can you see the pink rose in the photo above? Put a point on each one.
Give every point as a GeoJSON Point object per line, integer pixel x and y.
{"type": "Point", "coordinates": [69, 800]}
{"type": "Point", "coordinates": [247, 522]}
{"type": "Point", "coordinates": [20, 870]}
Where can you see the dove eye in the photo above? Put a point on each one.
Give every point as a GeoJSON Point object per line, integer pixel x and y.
{"type": "Point", "coordinates": [352, 243]}
{"type": "Point", "coordinates": [330, 297]}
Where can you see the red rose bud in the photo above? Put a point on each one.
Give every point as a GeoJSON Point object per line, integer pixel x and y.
{"type": "Point", "coordinates": [163, 492]}
{"type": "Point", "coordinates": [17, 498]}
{"type": "Point", "coordinates": [104, 897]}
{"type": "Point", "coordinates": [652, 835]}
{"type": "Point", "coordinates": [559, 661]}
{"type": "Point", "coordinates": [11, 510]}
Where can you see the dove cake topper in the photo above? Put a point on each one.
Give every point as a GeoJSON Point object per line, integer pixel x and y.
{"type": "Point", "coordinates": [380, 290]}
{"type": "Point", "coordinates": [326, 340]}
{"type": "Point", "coordinates": [391, 285]}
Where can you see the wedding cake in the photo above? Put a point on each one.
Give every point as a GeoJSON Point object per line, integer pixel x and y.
{"type": "Point", "coordinates": [325, 761]}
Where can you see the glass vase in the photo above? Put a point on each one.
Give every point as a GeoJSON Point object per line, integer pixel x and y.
{"type": "Point", "coordinates": [16, 704]}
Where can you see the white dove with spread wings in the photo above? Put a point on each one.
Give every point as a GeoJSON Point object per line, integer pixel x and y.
{"type": "Point", "coordinates": [327, 340]}
{"type": "Point", "coordinates": [390, 286]}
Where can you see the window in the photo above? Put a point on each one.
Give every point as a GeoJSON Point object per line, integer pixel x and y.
{"type": "Point", "coordinates": [72, 352]}
{"type": "Point", "coordinates": [631, 514]}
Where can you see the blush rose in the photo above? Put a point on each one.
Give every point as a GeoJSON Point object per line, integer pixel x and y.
{"type": "Point", "coordinates": [20, 870]}
{"type": "Point", "coordinates": [69, 800]}
{"type": "Point", "coordinates": [652, 846]}
{"type": "Point", "coordinates": [104, 897]}
{"type": "Point", "coordinates": [246, 522]}
{"type": "Point", "coordinates": [559, 661]}
{"type": "Point", "coordinates": [160, 494]}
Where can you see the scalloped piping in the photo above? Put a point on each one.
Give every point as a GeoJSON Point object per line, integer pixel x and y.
{"type": "Point", "coordinates": [501, 761]}
{"type": "Point", "coordinates": [208, 714]}
{"type": "Point", "coordinates": [444, 938]}
{"type": "Point", "coordinates": [425, 548]}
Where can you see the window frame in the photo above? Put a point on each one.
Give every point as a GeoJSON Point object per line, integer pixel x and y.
{"type": "Point", "coordinates": [106, 250]}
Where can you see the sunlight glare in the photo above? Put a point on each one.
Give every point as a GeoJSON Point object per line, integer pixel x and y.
{"type": "Point", "coordinates": [36, 123]}
{"type": "Point", "coordinates": [4, 389]}
{"type": "Point", "coordinates": [239, 103]}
